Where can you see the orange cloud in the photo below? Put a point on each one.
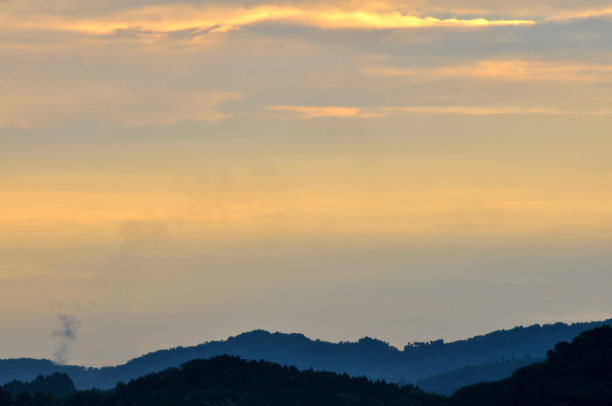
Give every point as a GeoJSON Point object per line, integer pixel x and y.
{"type": "Point", "coordinates": [318, 111]}
{"type": "Point", "coordinates": [310, 112]}
{"type": "Point", "coordinates": [392, 20]}
{"type": "Point", "coordinates": [165, 19]}
{"type": "Point", "coordinates": [475, 110]}
{"type": "Point", "coordinates": [580, 14]}
{"type": "Point", "coordinates": [504, 70]}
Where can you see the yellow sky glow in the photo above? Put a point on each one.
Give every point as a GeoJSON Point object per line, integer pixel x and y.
{"type": "Point", "coordinates": [225, 162]}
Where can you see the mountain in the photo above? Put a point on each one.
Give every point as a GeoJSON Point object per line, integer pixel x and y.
{"type": "Point", "coordinates": [574, 374]}
{"type": "Point", "coordinates": [27, 369]}
{"type": "Point", "coordinates": [227, 380]}
{"type": "Point", "coordinates": [368, 357]}
{"type": "Point", "coordinates": [447, 383]}
{"type": "Point", "coordinates": [579, 373]}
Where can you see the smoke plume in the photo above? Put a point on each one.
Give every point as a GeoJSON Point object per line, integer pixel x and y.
{"type": "Point", "coordinates": [66, 335]}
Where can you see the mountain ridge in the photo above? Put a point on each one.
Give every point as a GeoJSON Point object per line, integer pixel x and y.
{"type": "Point", "coordinates": [369, 357]}
{"type": "Point", "coordinates": [573, 374]}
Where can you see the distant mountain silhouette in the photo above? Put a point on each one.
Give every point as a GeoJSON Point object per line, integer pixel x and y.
{"type": "Point", "coordinates": [368, 357]}
{"type": "Point", "coordinates": [577, 374]}
{"type": "Point", "coordinates": [446, 383]}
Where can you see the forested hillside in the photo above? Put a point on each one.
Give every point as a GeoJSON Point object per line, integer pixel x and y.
{"type": "Point", "coordinates": [577, 374]}
{"type": "Point", "coordinates": [226, 380]}
{"type": "Point", "coordinates": [58, 385]}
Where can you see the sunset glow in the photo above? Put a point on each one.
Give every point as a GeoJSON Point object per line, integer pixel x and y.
{"type": "Point", "coordinates": [331, 168]}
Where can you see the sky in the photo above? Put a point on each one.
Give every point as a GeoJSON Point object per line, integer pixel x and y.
{"type": "Point", "coordinates": [178, 172]}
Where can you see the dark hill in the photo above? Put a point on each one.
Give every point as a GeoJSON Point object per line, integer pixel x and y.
{"type": "Point", "coordinates": [227, 381]}
{"type": "Point", "coordinates": [579, 373]}
{"type": "Point", "coordinates": [58, 385]}
{"type": "Point", "coordinates": [230, 380]}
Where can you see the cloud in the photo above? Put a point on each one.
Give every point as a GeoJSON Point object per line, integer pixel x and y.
{"type": "Point", "coordinates": [474, 110]}
{"type": "Point", "coordinates": [98, 6]}
{"type": "Point", "coordinates": [485, 110]}
{"type": "Point", "coordinates": [26, 107]}
{"type": "Point", "coordinates": [311, 112]}
{"type": "Point", "coordinates": [415, 7]}
{"type": "Point", "coordinates": [307, 112]}
{"type": "Point", "coordinates": [503, 70]}
{"type": "Point", "coordinates": [192, 106]}
{"type": "Point", "coordinates": [164, 19]}
{"type": "Point", "coordinates": [511, 8]}
{"type": "Point", "coordinates": [581, 14]}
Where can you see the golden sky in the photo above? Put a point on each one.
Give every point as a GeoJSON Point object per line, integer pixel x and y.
{"type": "Point", "coordinates": [342, 169]}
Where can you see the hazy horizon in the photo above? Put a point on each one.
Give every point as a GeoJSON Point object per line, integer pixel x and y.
{"type": "Point", "coordinates": [173, 173]}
